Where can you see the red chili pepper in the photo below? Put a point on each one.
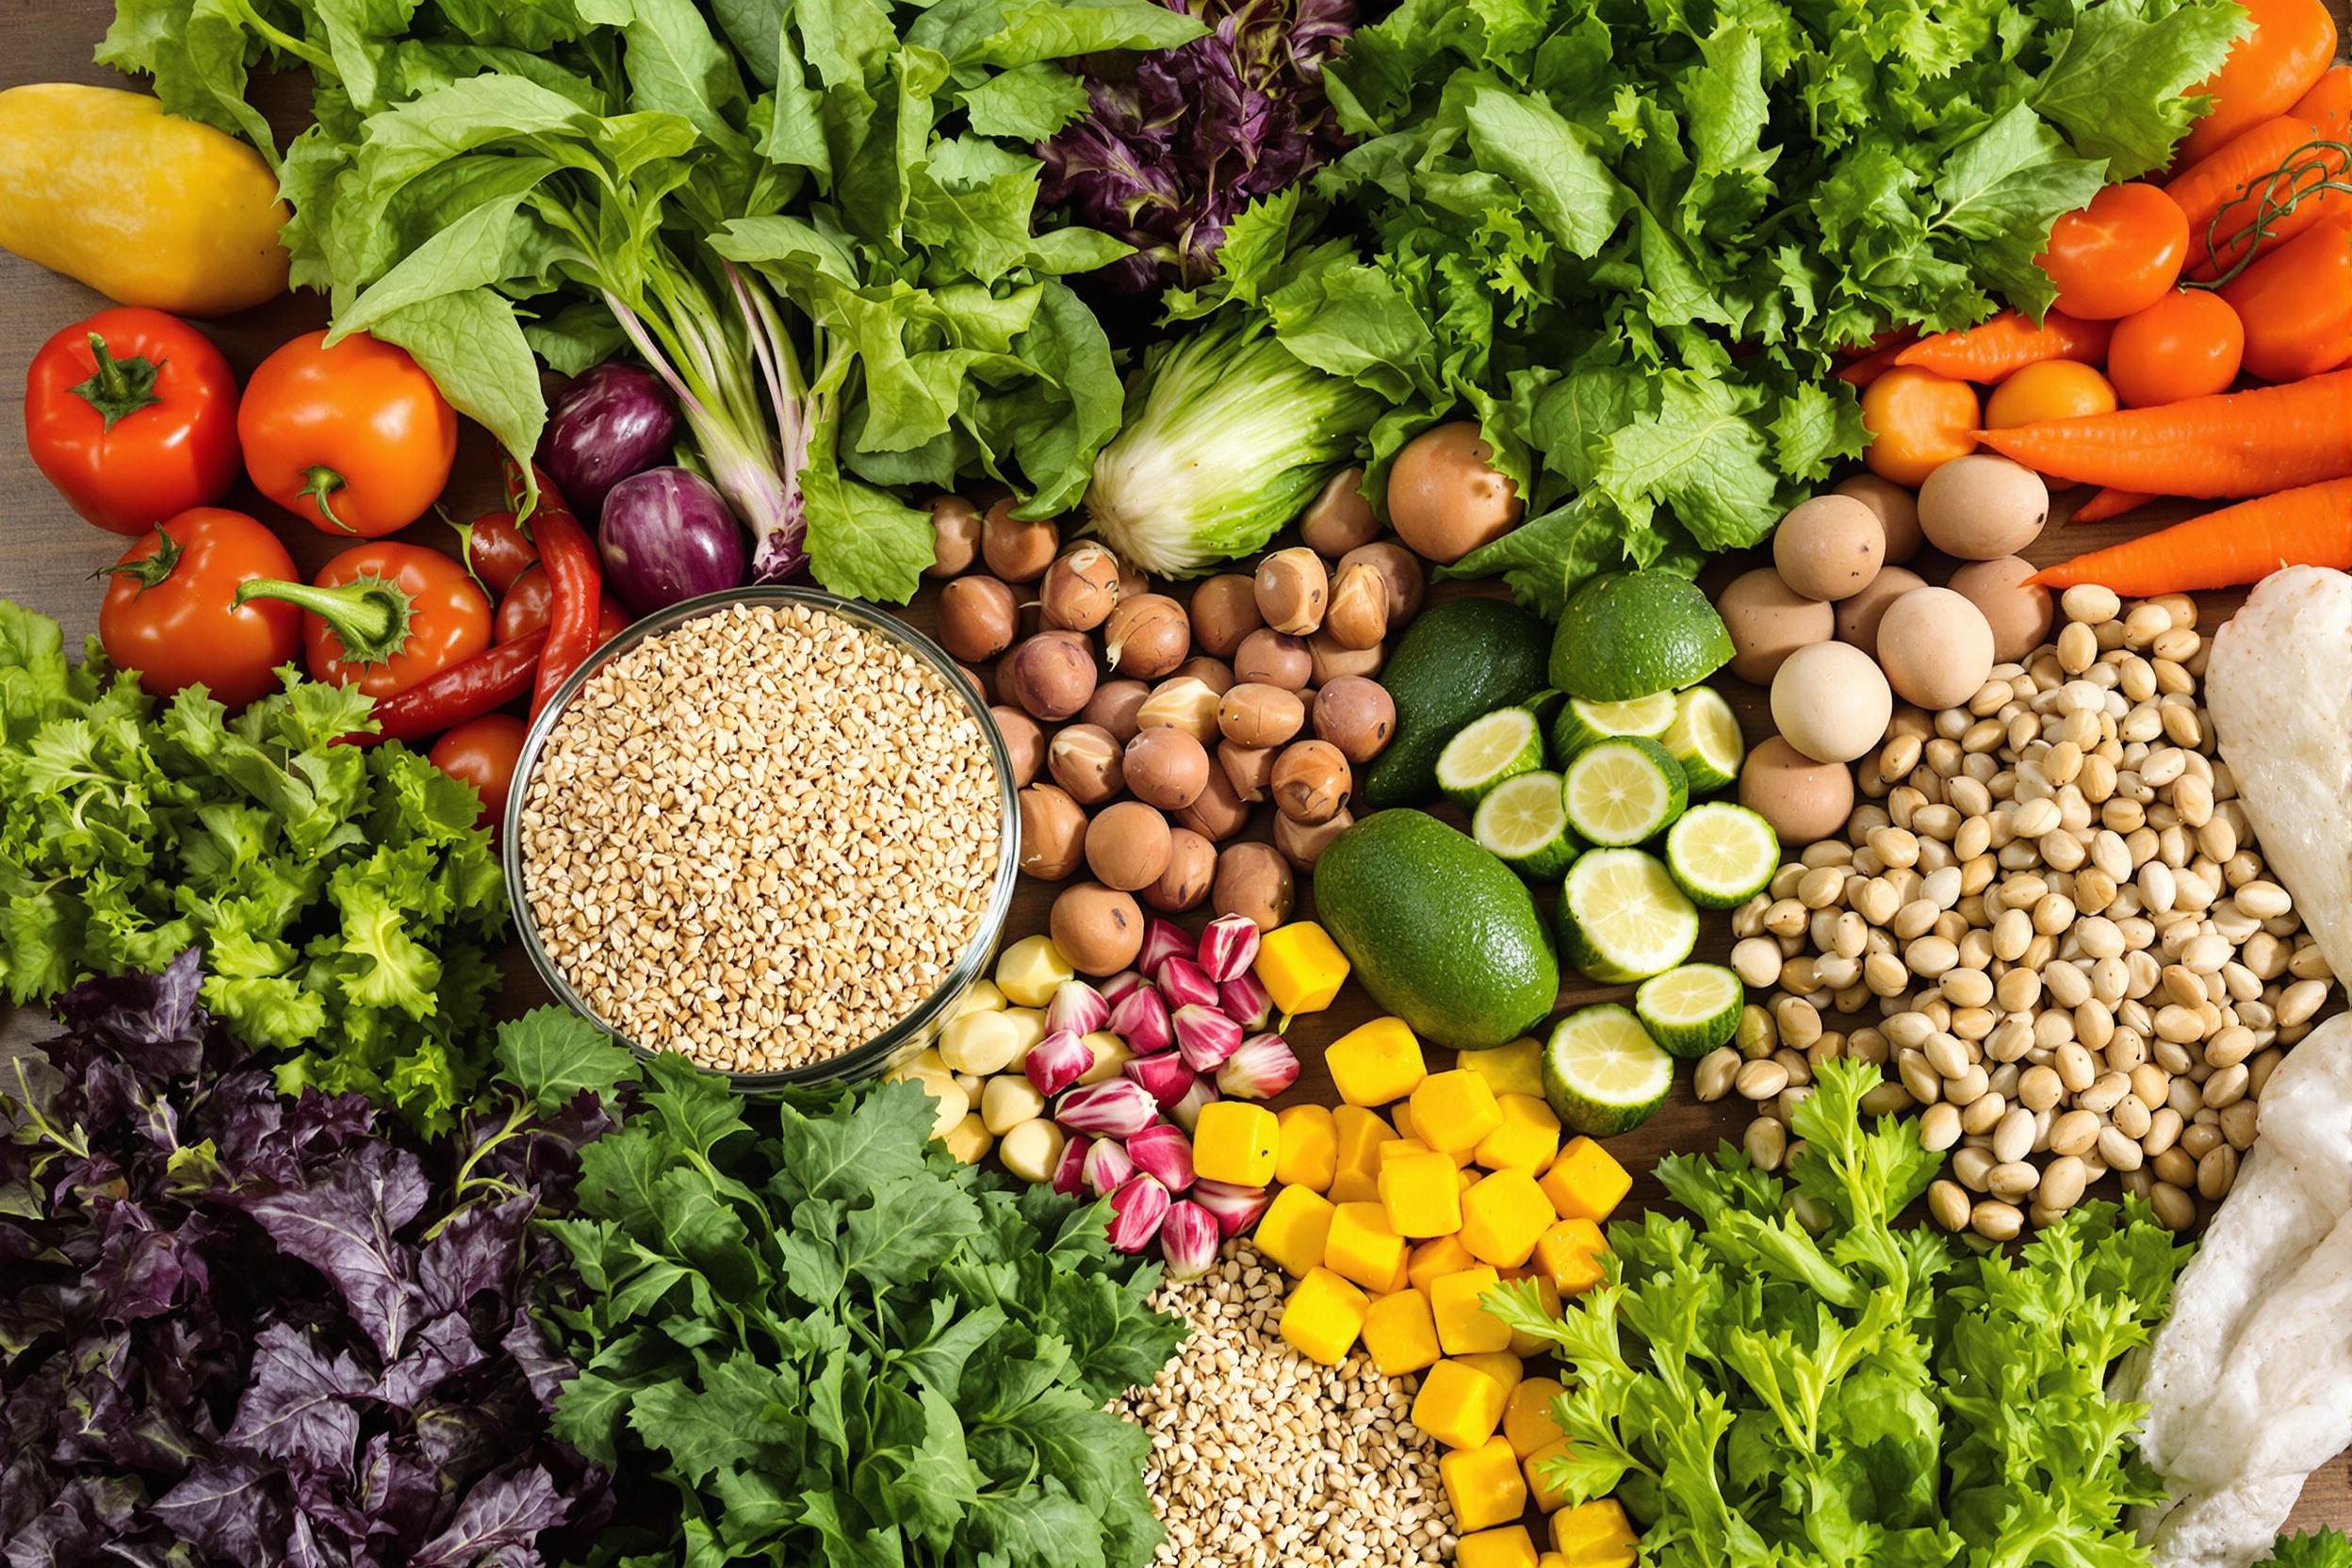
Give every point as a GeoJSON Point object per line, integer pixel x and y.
{"type": "Point", "coordinates": [569, 557]}
{"type": "Point", "coordinates": [487, 681]}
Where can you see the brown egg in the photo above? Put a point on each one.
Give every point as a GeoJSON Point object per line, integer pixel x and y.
{"type": "Point", "coordinates": [2020, 615]}
{"type": "Point", "coordinates": [1444, 497]}
{"type": "Point", "coordinates": [1098, 929]}
{"type": "Point", "coordinates": [1981, 507]}
{"type": "Point", "coordinates": [1768, 622]}
{"type": "Point", "coordinates": [1935, 647]}
{"type": "Point", "coordinates": [1829, 548]}
{"type": "Point", "coordinates": [1857, 618]}
{"type": "Point", "coordinates": [1805, 801]}
{"type": "Point", "coordinates": [1191, 864]}
{"type": "Point", "coordinates": [1128, 846]}
{"type": "Point", "coordinates": [1897, 508]}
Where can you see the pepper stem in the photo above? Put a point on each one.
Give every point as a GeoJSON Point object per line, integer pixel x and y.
{"type": "Point", "coordinates": [117, 388]}
{"type": "Point", "coordinates": [150, 570]}
{"type": "Point", "coordinates": [318, 482]}
{"type": "Point", "coordinates": [369, 616]}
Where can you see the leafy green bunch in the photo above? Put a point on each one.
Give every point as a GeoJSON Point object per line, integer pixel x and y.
{"type": "Point", "coordinates": [1796, 1378]}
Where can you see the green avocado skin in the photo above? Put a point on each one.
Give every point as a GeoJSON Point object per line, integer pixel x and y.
{"type": "Point", "coordinates": [1442, 934]}
{"type": "Point", "coordinates": [1457, 661]}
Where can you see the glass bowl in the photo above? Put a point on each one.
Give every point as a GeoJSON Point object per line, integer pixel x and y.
{"type": "Point", "coordinates": [909, 1036]}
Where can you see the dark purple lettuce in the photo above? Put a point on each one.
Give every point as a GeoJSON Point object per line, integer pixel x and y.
{"type": "Point", "coordinates": [1165, 159]}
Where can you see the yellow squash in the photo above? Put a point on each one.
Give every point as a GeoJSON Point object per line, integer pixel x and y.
{"type": "Point", "coordinates": [143, 206]}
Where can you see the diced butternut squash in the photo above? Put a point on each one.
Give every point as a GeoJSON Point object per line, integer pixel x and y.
{"type": "Point", "coordinates": [1362, 1133]}
{"type": "Point", "coordinates": [1453, 1111]}
{"type": "Point", "coordinates": [1501, 1365]}
{"type": "Point", "coordinates": [1398, 1333]}
{"type": "Point", "coordinates": [1586, 1183]}
{"type": "Point", "coordinates": [1569, 1254]}
{"type": "Point", "coordinates": [1464, 1327]}
{"type": "Point", "coordinates": [1484, 1485]}
{"type": "Point", "coordinates": [1323, 1318]}
{"type": "Point", "coordinates": [1401, 1115]}
{"type": "Point", "coordinates": [1503, 1217]}
{"type": "Point", "coordinates": [1537, 1467]}
{"type": "Point", "coordinates": [1508, 1547]}
{"type": "Point", "coordinates": [1421, 1195]}
{"type": "Point", "coordinates": [1400, 1146]}
{"type": "Point", "coordinates": [1307, 1154]}
{"type": "Point", "coordinates": [1551, 1559]}
{"type": "Point", "coordinates": [1593, 1535]}
{"type": "Point", "coordinates": [1402, 1278]}
{"type": "Point", "coordinates": [1444, 1255]}
{"type": "Point", "coordinates": [1529, 1138]}
{"type": "Point", "coordinates": [1235, 1141]}
{"type": "Point", "coordinates": [1361, 1247]}
{"type": "Point", "coordinates": [1458, 1405]}
{"type": "Point", "coordinates": [1376, 1063]}
{"type": "Point", "coordinates": [1548, 1296]}
{"type": "Point", "coordinates": [1294, 1229]}
{"type": "Point", "coordinates": [1527, 1415]}
{"type": "Point", "coordinates": [1301, 967]}
{"type": "Point", "coordinates": [1513, 1068]}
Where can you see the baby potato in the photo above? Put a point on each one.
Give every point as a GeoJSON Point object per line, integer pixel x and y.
{"type": "Point", "coordinates": [1445, 495]}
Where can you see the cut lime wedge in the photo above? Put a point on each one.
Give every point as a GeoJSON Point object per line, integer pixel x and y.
{"type": "Point", "coordinates": [1523, 824]}
{"type": "Point", "coordinates": [1622, 792]}
{"type": "Point", "coordinates": [1503, 745]}
{"type": "Point", "coordinates": [1603, 1074]}
{"type": "Point", "coordinates": [1622, 918]}
{"type": "Point", "coordinates": [1691, 1008]}
{"type": "Point", "coordinates": [1705, 738]}
{"type": "Point", "coordinates": [1721, 855]}
{"type": "Point", "coordinates": [1579, 723]}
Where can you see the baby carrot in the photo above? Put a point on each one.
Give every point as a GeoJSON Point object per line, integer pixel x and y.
{"type": "Point", "coordinates": [2006, 344]}
{"type": "Point", "coordinates": [2309, 527]}
{"type": "Point", "coordinates": [2231, 444]}
{"type": "Point", "coordinates": [2109, 503]}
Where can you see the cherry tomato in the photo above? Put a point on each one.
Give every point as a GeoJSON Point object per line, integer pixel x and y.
{"type": "Point", "coordinates": [497, 549]}
{"type": "Point", "coordinates": [171, 610]}
{"type": "Point", "coordinates": [2186, 345]}
{"type": "Point", "coordinates": [132, 415]}
{"type": "Point", "coordinates": [2290, 47]}
{"type": "Point", "coordinates": [384, 616]}
{"type": "Point", "coordinates": [1918, 421]}
{"type": "Point", "coordinates": [2053, 390]}
{"type": "Point", "coordinates": [2121, 253]}
{"type": "Point", "coordinates": [2296, 305]}
{"type": "Point", "coordinates": [482, 752]}
{"type": "Point", "coordinates": [354, 438]}
{"type": "Point", "coordinates": [526, 607]}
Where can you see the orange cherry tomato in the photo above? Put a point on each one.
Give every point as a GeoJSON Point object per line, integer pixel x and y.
{"type": "Point", "coordinates": [2053, 390]}
{"type": "Point", "coordinates": [384, 616]}
{"type": "Point", "coordinates": [2186, 345]}
{"type": "Point", "coordinates": [2292, 44]}
{"type": "Point", "coordinates": [1918, 421]}
{"type": "Point", "coordinates": [2296, 305]}
{"type": "Point", "coordinates": [2121, 253]}
{"type": "Point", "coordinates": [355, 438]}
{"type": "Point", "coordinates": [482, 752]}
{"type": "Point", "coordinates": [525, 606]}
{"type": "Point", "coordinates": [172, 611]}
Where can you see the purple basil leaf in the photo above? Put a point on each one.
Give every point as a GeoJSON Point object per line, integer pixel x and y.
{"type": "Point", "coordinates": [544, 1370]}
{"type": "Point", "coordinates": [441, 1350]}
{"type": "Point", "coordinates": [399, 1488]}
{"type": "Point", "coordinates": [153, 1022]}
{"type": "Point", "coordinates": [506, 1512]}
{"type": "Point", "coordinates": [344, 1224]}
{"type": "Point", "coordinates": [300, 1409]}
{"type": "Point", "coordinates": [147, 1272]}
{"type": "Point", "coordinates": [233, 1506]}
{"type": "Point", "coordinates": [477, 1250]}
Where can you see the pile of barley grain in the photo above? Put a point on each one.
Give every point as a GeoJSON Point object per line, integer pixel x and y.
{"type": "Point", "coordinates": [760, 839]}
{"type": "Point", "coordinates": [1262, 1459]}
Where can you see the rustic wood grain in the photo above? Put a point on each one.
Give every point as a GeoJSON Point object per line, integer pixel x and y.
{"type": "Point", "coordinates": [47, 555]}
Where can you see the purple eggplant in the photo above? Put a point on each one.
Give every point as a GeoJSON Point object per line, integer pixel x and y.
{"type": "Point", "coordinates": [614, 421]}
{"type": "Point", "coordinates": [668, 535]}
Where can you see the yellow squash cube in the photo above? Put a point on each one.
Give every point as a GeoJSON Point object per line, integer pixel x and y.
{"type": "Point", "coordinates": [1400, 1146]}
{"type": "Point", "coordinates": [1484, 1485]}
{"type": "Point", "coordinates": [1464, 1327]}
{"type": "Point", "coordinates": [1307, 1154]}
{"type": "Point", "coordinates": [1551, 1559]}
{"type": "Point", "coordinates": [1586, 1183]}
{"type": "Point", "coordinates": [1356, 1177]}
{"type": "Point", "coordinates": [1569, 1254]}
{"type": "Point", "coordinates": [1402, 1279]}
{"type": "Point", "coordinates": [1537, 1467]}
{"type": "Point", "coordinates": [1376, 1063]}
{"type": "Point", "coordinates": [1503, 1217]}
{"type": "Point", "coordinates": [1302, 968]}
{"type": "Point", "coordinates": [1453, 1111]}
{"type": "Point", "coordinates": [1401, 1114]}
{"type": "Point", "coordinates": [1235, 1141]}
{"type": "Point", "coordinates": [1323, 1318]}
{"type": "Point", "coordinates": [1508, 1547]}
{"type": "Point", "coordinates": [1501, 1365]}
{"type": "Point", "coordinates": [1399, 1335]}
{"type": "Point", "coordinates": [1458, 1405]}
{"type": "Point", "coordinates": [1593, 1535]}
{"type": "Point", "coordinates": [1444, 1255]}
{"type": "Point", "coordinates": [1513, 1068]}
{"type": "Point", "coordinates": [1529, 1138]}
{"type": "Point", "coordinates": [1547, 1296]}
{"type": "Point", "coordinates": [1527, 1415]}
{"type": "Point", "coordinates": [1362, 1247]}
{"type": "Point", "coordinates": [1294, 1229]}
{"type": "Point", "coordinates": [1421, 1195]}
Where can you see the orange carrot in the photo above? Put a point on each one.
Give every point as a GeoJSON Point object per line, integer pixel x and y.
{"type": "Point", "coordinates": [2262, 189]}
{"type": "Point", "coordinates": [2231, 444]}
{"type": "Point", "coordinates": [2109, 503]}
{"type": "Point", "coordinates": [2309, 527]}
{"type": "Point", "coordinates": [2329, 105]}
{"type": "Point", "coordinates": [1870, 366]}
{"type": "Point", "coordinates": [1994, 350]}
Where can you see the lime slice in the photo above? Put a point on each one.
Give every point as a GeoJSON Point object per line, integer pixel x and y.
{"type": "Point", "coordinates": [1503, 745]}
{"type": "Point", "coordinates": [1622, 792]}
{"type": "Point", "coordinates": [1579, 723]}
{"type": "Point", "coordinates": [1622, 918]}
{"type": "Point", "coordinates": [1721, 855]}
{"type": "Point", "coordinates": [1631, 633]}
{"type": "Point", "coordinates": [1705, 738]}
{"type": "Point", "coordinates": [1603, 1074]}
{"type": "Point", "coordinates": [1523, 824]}
{"type": "Point", "coordinates": [1690, 1009]}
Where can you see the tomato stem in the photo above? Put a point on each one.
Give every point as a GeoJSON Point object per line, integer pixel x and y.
{"type": "Point", "coordinates": [149, 571]}
{"type": "Point", "coordinates": [369, 616]}
{"type": "Point", "coordinates": [318, 482]}
{"type": "Point", "coordinates": [117, 388]}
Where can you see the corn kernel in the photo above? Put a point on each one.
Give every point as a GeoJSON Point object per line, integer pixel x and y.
{"type": "Point", "coordinates": [1537, 1467]}
{"type": "Point", "coordinates": [1301, 967]}
{"type": "Point", "coordinates": [1421, 1197]}
{"type": "Point", "coordinates": [1399, 1335]}
{"type": "Point", "coordinates": [1454, 1111]}
{"type": "Point", "coordinates": [1376, 1063]}
{"type": "Point", "coordinates": [1527, 1415]}
{"type": "Point", "coordinates": [1586, 1183]}
{"type": "Point", "coordinates": [1593, 1535]}
{"type": "Point", "coordinates": [1458, 1405]}
{"type": "Point", "coordinates": [1484, 1485]}
{"type": "Point", "coordinates": [1307, 1153]}
{"type": "Point", "coordinates": [1513, 1068]}
{"type": "Point", "coordinates": [1508, 1547]}
{"type": "Point", "coordinates": [1361, 1133]}
{"type": "Point", "coordinates": [1503, 1217]}
{"type": "Point", "coordinates": [1529, 1138]}
{"type": "Point", "coordinates": [1444, 1255]}
{"type": "Point", "coordinates": [1362, 1247]}
{"type": "Point", "coordinates": [1294, 1229]}
{"type": "Point", "coordinates": [1234, 1141]}
{"type": "Point", "coordinates": [1463, 1326]}
{"type": "Point", "coordinates": [1323, 1318]}
{"type": "Point", "coordinates": [1570, 1254]}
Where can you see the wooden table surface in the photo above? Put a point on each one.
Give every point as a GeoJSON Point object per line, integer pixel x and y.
{"type": "Point", "coordinates": [47, 555]}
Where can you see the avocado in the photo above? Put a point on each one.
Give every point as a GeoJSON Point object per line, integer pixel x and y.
{"type": "Point", "coordinates": [1458, 660]}
{"type": "Point", "coordinates": [1441, 933]}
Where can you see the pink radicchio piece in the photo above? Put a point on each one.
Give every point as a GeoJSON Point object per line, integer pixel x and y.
{"type": "Point", "coordinates": [1077, 1009]}
{"type": "Point", "coordinates": [1140, 1018]}
{"type": "Point", "coordinates": [1245, 1001]}
{"type": "Point", "coordinates": [1115, 1107]}
{"type": "Point", "coordinates": [1206, 1036]}
{"type": "Point", "coordinates": [1056, 1062]}
{"type": "Point", "coordinates": [1162, 1151]}
{"type": "Point", "coordinates": [1161, 940]}
{"type": "Point", "coordinates": [1185, 1112]}
{"type": "Point", "coordinates": [1137, 1207]}
{"type": "Point", "coordinates": [1235, 1208]}
{"type": "Point", "coordinates": [1184, 984]}
{"type": "Point", "coordinates": [1188, 1238]}
{"type": "Point", "coordinates": [1229, 946]}
{"type": "Point", "coordinates": [1107, 1166]}
{"type": "Point", "coordinates": [1115, 990]}
{"type": "Point", "coordinates": [1262, 1066]}
{"type": "Point", "coordinates": [1165, 1075]}
{"type": "Point", "coordinates": [1070, 1171]}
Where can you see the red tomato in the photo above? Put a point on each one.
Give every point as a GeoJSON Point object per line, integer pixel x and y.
{"type": "Point", "coordinates": [384, 616]}
{"type": "Point", "coordinates": [2292, 45]}
{"type": "Point", "coordinates": [132, 415]}
{"type": "Point", "coordinates": [526, 606]}
{"type": "Point", "coordinates": [171, 614]}
{"type": "Point", "coordinates": [355, 438]}
{"type": "Point", "coordinates": [497, 549]}
{"type": "Point", "coordinates": [2186, 345]}
{"type": "Point", "coordinates": [2050, 390]}
{"type": "Point", "coordinates": [1918, 421]}
{"type": "Point", "coordinates": [482, 752]}
{"type": "Point", "coordinates": [2121, 253]}
{"type": "Point", "coordinates": [2296, 305]}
